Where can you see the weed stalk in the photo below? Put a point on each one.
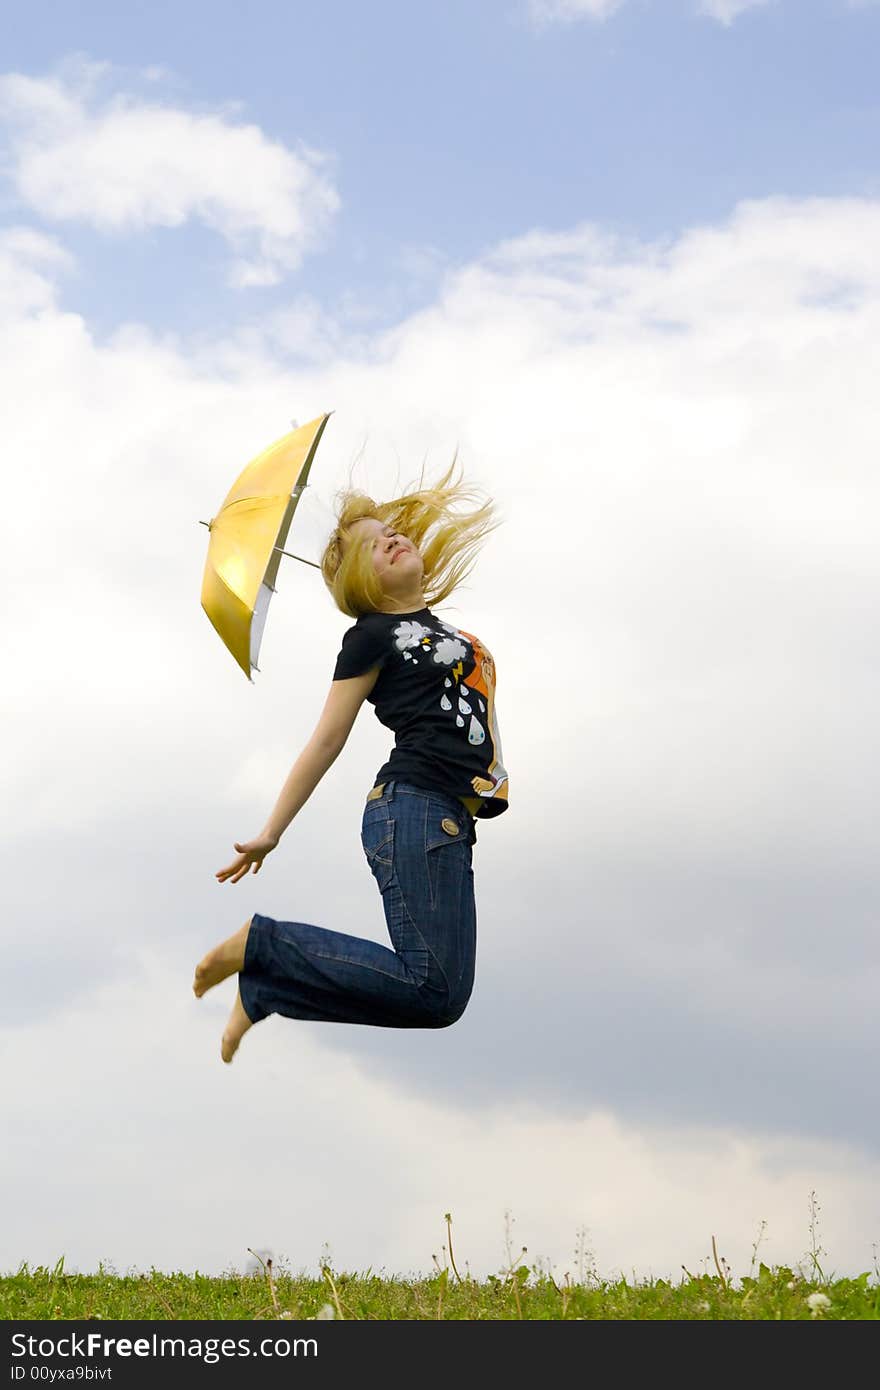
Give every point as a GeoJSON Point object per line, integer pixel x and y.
{"type": "Point", "coordinates": [448, 1219]}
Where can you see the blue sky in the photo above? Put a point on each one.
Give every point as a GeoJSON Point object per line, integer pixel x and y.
{"type": "Point", "coordinates": [624, 256]}
{"type": "Point", "coordinates": [449, 127]}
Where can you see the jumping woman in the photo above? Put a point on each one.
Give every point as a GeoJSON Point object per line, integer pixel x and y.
{"type": "Point", "coordinates": [433, 685]}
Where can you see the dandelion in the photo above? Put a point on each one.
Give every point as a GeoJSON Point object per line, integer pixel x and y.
{"type": "Point", "coordinates": [817, 1303]}
{"type": "Point", "coordinates": [326, 1313]}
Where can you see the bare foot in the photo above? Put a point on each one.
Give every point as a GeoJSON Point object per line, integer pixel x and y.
{"type": "Point", "coordinates": [225, 960]}
{"type": "Point", "coordinates": [236, 1026]}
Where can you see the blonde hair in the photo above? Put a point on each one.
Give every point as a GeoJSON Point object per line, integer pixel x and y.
{"type": "Point", "coordinates": [448, 540]}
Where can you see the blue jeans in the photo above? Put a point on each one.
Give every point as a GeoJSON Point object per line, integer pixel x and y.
{"type": "Point", "coordinates": [419, 846]}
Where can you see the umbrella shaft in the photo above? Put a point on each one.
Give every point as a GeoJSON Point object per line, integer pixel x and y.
{"type": "Point", "coordinates": [291, 556]}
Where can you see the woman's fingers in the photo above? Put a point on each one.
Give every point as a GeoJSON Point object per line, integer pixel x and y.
{"type": "Point", "coordinates": [237, 870]}
{"type": "Point", "coordinates": [233, 868]}
{"type": "Point", "coordinates": [250, 856]}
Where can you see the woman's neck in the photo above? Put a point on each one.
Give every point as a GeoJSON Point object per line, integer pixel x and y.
{"type": "Point", "coordinates": [402, 605]}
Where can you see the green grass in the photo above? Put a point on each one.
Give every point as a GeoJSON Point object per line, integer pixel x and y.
{"type": "Point", "coordinates": [774, 1293]}
{"type": "Point", "coordinates": [520, 1291]}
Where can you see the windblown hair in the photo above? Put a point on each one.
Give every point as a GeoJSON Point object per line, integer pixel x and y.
{"type": "Point", "coordinates": [447, 539]}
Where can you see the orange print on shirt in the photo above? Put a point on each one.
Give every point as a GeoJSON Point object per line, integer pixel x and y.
{"type": "Point", "coordinates": [482, 677]}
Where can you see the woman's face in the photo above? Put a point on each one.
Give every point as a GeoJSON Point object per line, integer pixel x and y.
{"type": "Point", "coordinates": [396, 559]}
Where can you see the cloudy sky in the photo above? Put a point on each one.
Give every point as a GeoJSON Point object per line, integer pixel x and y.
{"type": "Point", "coordinates": [622, 254]}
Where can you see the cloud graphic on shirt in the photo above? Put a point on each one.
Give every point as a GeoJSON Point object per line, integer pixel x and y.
{"type": "Point", "coordinates": [449, 650]}
{"type": "Point", "coordinates": [410, 635]}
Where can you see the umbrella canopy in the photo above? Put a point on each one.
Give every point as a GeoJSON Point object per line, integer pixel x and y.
{"type": "Point", "coordinates": [247, 539]}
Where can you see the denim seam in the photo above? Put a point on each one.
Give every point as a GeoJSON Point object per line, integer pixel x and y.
{"type": "Point", "coordinates": [425, 945]}
{"type": "Point", "coordinates": [253, 990]}
{"type": "Point", "coordinates": [394, 882]}
{"type": "Point", "coordinates": [361, 964]}
{"type": "Point", "coordinates": [449, 801]}
{"type": "Point", "coordinates": [346, 960]}
{"type": "Point", "coordinates": [432, 849]}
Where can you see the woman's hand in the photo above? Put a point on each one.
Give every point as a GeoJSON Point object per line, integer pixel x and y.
{"type": "Point", "coordinates": [250, 855]}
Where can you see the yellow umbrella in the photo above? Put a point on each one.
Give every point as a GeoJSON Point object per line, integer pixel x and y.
{"type": "Point", "coordinates": [247, 538]}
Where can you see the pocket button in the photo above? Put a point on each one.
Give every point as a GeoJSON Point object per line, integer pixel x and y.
{"type": "Point", "coordinates": [449, 825]}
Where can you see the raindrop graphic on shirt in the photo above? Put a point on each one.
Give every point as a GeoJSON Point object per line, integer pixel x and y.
{"type": "Point", "coordinates": [463, 705]}
{"type": "Point", "coordinates": [482, 706]}
{"type": "Point", "coordinates": [459, 721]}
{"type": "Point", "coordinates": [476, 732]}
{"type": "Point", "coordinates": [445, 702]}
{"type": "Point", "coordinates": [447, 682]}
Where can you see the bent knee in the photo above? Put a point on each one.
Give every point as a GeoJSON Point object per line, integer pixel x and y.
{"type": "Point", "coordinates": [447, 1020]}
{"type": "Point", "coordinates": [444, 1013]}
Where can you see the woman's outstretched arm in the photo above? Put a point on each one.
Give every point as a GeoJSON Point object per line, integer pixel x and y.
{"type": "Point", "coordinates": [321, 751]}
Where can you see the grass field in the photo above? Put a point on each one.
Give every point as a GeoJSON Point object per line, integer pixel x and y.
{"type": "Point", "coordinates": [769, 1293]}
{"type": "Point", "coordinates": [520, 1291]}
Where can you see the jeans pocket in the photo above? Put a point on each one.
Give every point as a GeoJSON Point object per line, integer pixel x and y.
{"type": "Point", "coordinates": [377, 838]}
{"type": "Point", "coordinates": [447, 855]}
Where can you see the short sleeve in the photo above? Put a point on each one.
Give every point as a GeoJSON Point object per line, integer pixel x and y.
{"type": "Point", "coordinates": [363, 648]}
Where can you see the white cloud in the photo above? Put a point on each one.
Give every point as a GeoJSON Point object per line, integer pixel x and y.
{"type": "Point", "coordinates": [136, 1136]}
{"type": "Point", "coordinates": [682, 438]}
{"type": "Point", "coordinates": [546, 12]}
{"type": "Point", "coordinates": [25, 256]}
{"type": "Point", "coordinates": [726, 11]}
{"type": "Point", "coordinates": [543, 12]}
{"type": "Point", "coordinates": [122, 164]}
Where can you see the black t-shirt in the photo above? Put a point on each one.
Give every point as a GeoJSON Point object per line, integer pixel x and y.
{"type": "Point", "coordinates": [436, 691]}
